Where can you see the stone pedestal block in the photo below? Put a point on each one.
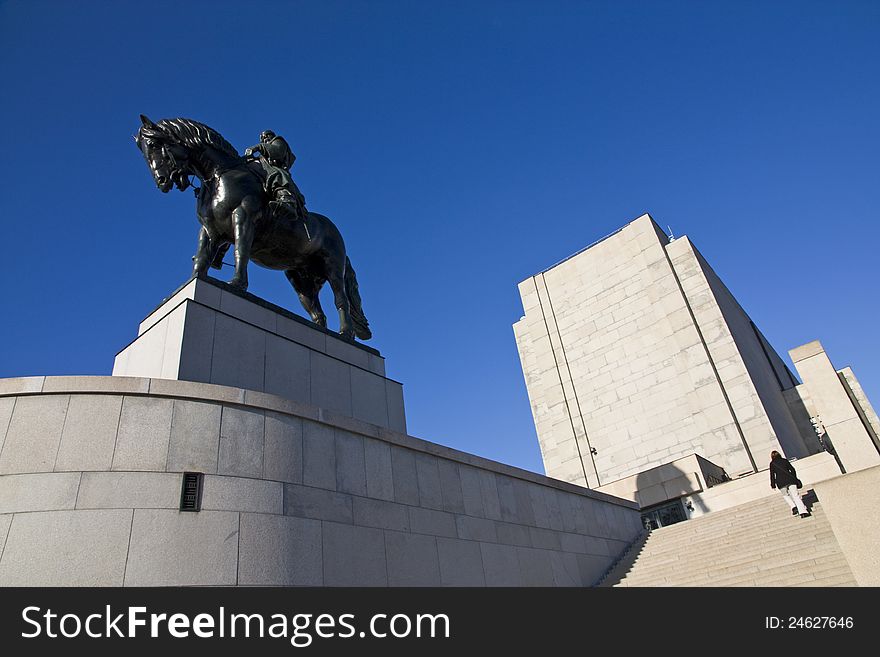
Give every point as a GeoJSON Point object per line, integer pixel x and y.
{"type": "Point", "coordinates": [844, 414]}
{"type": "Point", "coordinates": [207, 332]}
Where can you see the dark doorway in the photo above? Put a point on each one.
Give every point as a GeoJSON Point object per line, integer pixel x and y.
{"type": "Point", "coordinates": [663, 515]}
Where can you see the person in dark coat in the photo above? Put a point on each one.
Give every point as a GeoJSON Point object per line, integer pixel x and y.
{"type": "Point", "coordinates": [784, 477]}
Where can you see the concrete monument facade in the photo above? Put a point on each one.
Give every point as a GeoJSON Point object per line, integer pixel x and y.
{"type": "Point", "coordinates": [636, 356]}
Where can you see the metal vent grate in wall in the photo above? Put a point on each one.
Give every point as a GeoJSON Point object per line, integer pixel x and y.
{"type": "Point", "coordinates": [191, 491]}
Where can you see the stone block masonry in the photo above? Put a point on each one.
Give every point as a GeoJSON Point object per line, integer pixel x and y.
{"type": "Point", "coordinates": [836, 401]}
{"type": "Point", "coordinates": [207, 332]}
{"type": "Point", "coordinates": [294, 494]}
{"type": "Point", "coordinates": [635, 354]}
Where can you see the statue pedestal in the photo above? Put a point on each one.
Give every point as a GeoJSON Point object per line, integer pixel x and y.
{"type": "Point", "coordinates": [208, 332]}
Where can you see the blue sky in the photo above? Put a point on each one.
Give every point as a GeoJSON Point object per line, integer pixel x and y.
{"type": "Point", "coordinates": [460, 147]}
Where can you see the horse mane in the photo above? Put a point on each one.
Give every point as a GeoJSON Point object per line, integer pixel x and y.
{"type": "Point", "coordinates": [196, 135]}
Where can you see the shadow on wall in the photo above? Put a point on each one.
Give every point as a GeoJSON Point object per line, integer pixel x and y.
{"type": "Point", "coordinates": [661, 494]}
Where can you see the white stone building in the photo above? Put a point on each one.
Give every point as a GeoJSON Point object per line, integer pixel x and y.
{"type": "Point", "coordinates": [648, 380]}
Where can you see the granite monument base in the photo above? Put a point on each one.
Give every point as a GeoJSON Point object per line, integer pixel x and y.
{"type": "Point", "coordinates": [208, 332]}
{"type": "Point", "coordinates": [91, 472]}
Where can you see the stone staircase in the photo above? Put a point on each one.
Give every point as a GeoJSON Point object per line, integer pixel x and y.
{"type": "Point", "coordinates": [755, 544]}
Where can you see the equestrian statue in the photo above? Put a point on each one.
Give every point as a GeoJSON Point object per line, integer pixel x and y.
{"type": "Point", "coordinates": [252, 203]}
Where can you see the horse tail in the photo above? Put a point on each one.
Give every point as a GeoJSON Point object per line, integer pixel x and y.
{"type": "Point", "coordinates": [356, 311]}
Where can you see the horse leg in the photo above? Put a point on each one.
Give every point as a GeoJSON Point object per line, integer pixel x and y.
{"type": "Point", "coordinates": [204, 253]}
{"type": "Point", "coordinates": [244, 238]}
{"type": "Point", "coordinates": [337, 283]}
{"type": "Point", "coordinates": [219, 254]}
{"type": "Point", "coordinates": [307, 288]}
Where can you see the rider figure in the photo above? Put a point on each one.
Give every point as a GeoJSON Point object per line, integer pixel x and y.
{"type": "Point", "coordinates": [277, 158]}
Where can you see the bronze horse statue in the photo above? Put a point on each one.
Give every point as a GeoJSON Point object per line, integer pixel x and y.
{"type": "Point", "coordinates": [233, 208]}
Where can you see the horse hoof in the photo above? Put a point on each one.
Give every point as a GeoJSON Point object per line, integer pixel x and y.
{"type": "Point", "coordinates": [238, 285]}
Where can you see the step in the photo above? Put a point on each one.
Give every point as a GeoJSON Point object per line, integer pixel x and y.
{"type": "Point", "coordinates": [752, 570]}
{"type": "Point", "coordinates": [827, 570]}
{"type": "Point", "coordinates": [743, 562]}
{"type": "Point", "coordinates": [723, 545]}
{"type": "Point", "coordinates": [770, 509]}
{"type": "Point", "coordinates": [797, 526]}
{"type": "Point", "coordinates": [789, 554]}
{"type": "Point", "coordinates": [708, 523]}
{"type": "Point", "coordinates": [765, 573]}
{"type": "Point", "coordinates": [803, 526]}
{"type": "Point", "coordinates": [833, 581]}
{"type": "Point", "coordinates": [695, 527]}
{"type": "Point", "coordinates": [624, 562]}
{"type": "Point", "coordinates": [782, 576]}
{"type": "Point", "coordinates": [806, 576]}
{"type": "Point", "coordinates": [773, 576]}
{"type": "Point", "coordinates": [715, 528]}
{"type": "Point", "coordinates": [755, 544]}
{"type": "Point", "coordinates": [656, 544]}
{"type": "Point", "coordinates": [754, 515]}
{"type": "Point", "coordinates": [686, 565]}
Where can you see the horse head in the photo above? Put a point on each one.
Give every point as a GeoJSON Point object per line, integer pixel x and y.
{"type": "Point", "coordinates": [167, 158]}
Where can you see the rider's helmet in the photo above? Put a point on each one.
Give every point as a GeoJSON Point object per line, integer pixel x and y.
{"type": "Point", "coordinates": [266, 135]}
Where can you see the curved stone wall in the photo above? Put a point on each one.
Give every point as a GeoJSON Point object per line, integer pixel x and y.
{"type": "Point", "coordinates": [90, 478]}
